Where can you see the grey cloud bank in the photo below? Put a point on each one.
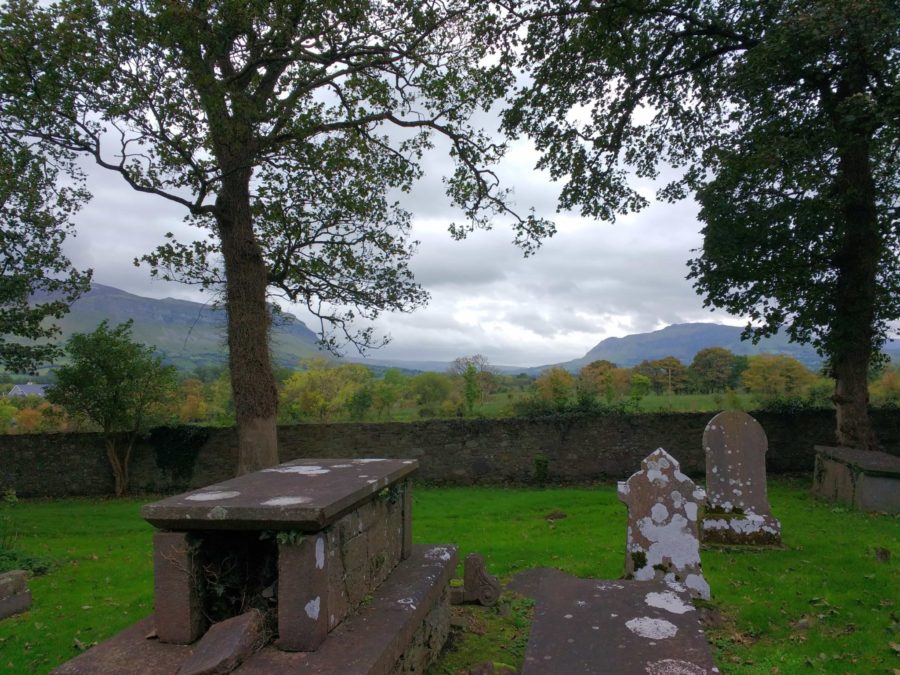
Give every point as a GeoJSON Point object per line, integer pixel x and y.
{"type": "Point", "coordinates": [591, 281]}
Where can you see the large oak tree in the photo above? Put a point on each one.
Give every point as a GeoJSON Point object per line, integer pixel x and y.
{"type": "Point", "coordinates": [283, 128]}
{"type": "Point", "coordinates": [781, 116]}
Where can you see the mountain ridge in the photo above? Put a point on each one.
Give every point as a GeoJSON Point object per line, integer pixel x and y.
{"type": "Point", "coordinates": [186, 334]}
{"type": "Point", "coordinates": [189, 334]}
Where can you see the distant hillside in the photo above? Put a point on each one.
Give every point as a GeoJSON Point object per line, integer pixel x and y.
{"type": "Point", "coordinates": [684, 340]}
{"type": "Point", "coordinates": [186, 334]}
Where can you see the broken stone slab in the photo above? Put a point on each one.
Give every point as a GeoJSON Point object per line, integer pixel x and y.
{"type": "Point", "coordinates": [615, 628]}
{"type": "Point", "coordinates": [864, 479]}
{"type": "Point", "coordinates": [15, 597]}
{"type": "Point", "coordinates": [305, 495]}
{"type": "Point", "coordinates": [479, 585]}
{"type": "Point", "coordinates": [15, 604]}
{"type": "Point", "coordinates": [662, 536]}
{"type": "Point", "coordinates": [13, 583]}
{"type": "Point", "coordinates": [226, 645]}
{"type": "Point", "coordinates": [407, 620]}
{"type": "Point", "coordinates": [737, 503]}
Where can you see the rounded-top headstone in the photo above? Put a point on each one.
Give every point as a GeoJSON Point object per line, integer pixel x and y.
{"type": "Point", "coordinates": [735, 446]}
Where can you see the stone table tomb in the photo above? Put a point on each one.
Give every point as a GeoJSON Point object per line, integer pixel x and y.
{"type": "Point", "coordinates": [298, 550]}
{"type": "Point", "coordinates": [867, 480]}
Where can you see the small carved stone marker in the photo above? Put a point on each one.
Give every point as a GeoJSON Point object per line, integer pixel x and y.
{"type": "Point", "coordinates": [479, 585]}
{"type": "Point", "coordinates": [737, 510]}
{"type": "Point", "coordinates": [662, 540]}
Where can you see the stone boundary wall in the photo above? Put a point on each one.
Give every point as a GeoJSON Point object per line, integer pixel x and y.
{"type": "Point", "coordinates": [578, 449]}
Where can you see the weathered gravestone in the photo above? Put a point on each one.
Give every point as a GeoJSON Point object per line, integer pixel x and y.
{"type": "Point", "coordinates": [737, 509]}
{"type": "Point", "coordinates": [317, 552]}
{"type": "Point", "coordinates": [662, 538]}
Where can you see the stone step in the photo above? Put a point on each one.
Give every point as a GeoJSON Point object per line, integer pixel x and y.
{"type": "Point", "coordinates": [612, 627]}
{"type": "Point", "coordinates": [402, 627]}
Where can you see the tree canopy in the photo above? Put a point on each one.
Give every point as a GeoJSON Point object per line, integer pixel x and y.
{"type": "Point", "coordinates": [780, 116]}
{"type": "Point", "coordinates": [37, 282]}
{"type": "Point", "coordinates": [284, 130]}
{"type": "Point", "coordinates": [114, 383]}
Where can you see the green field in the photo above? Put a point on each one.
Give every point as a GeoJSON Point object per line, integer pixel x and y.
{"type": "Point", "coordinates": [501, 405]}
{"type": "Point", "coordinates": [823, 603]}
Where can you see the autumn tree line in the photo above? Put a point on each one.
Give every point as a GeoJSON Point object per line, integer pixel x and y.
{"type": "Point", "coordinates": [322, 391]}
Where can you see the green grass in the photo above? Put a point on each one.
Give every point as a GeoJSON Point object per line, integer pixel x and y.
{"type": "Point", "coordinates": [501, 405]}
{"type": "Point", "coordinates": [102, 583]}
{"type": "Point", "coordinates": [823, 603]}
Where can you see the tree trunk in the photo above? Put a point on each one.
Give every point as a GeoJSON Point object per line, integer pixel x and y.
{"type": "Point", "coordinates": [852, 338]}
{"type": "Point", "coordinates": [252, 380]}
{"type": "Point", "coordinates": [120, 471]}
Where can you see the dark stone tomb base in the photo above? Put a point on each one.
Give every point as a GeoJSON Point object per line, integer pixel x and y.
{"type": "Point", "coordinates": [401, 630]}
{"type": "Point", "coordinates": [863, 479]}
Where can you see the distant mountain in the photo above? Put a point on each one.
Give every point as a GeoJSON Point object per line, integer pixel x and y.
{"type": "Point", "coordinates": [186, 334]}
{"type": "Point", "coordinates": [189, 334]}
{"type": "Point", "coordinates": [684, 340]}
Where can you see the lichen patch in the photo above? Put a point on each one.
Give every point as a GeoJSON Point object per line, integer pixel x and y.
{"type": "Point", "coordinates": [668, 601]}
{"type": "Point", "coordinates": [212, 496]}
{"type": "Point", "coordinates": [300, 469]}
{"type": "Point", "coordinates": [652, 629]}
{"type": "Point", "coordinates": [286, 501]}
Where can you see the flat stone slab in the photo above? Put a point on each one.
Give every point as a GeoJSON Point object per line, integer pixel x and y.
{"type": "Point", "coordinates": [369, 642]}
{"type": "Point", "coordinates": [613, 627]}
{"type": "Point", "coordinates": [869, 461]}
{"type": "Point", "coordinates": [305, 495]}
{"type": "Point", "coordinates": [130, 652]}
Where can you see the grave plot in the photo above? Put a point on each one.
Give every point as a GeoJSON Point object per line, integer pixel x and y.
{"type": "Point", "coordinates": [615, 628]}
{"type": "Point", "coordinates": [305, 567]}
{"type": "Point", "coordinates": [737, 507]}
{"type": "Point", "coordinates": [645, 623]}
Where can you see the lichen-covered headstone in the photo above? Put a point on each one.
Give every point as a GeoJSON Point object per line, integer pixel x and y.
{"type": "Point", "coordinates": [663, 541]}
{"type": "Point", "coordinates": [737, 508]}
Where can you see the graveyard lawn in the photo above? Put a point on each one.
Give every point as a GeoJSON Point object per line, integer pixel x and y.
{"type": "Point", "coordinates": [826, 602]}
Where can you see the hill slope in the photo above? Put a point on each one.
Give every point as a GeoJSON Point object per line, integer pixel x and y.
{"type": "Point", "coordinates": [186, 334]}
{"type": "Point", "coordinates": [684, 340]}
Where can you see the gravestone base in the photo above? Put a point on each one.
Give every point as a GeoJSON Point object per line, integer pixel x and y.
{"type": "Point", "coordinates": [740, 529]}
{"type": "Point", "coordinates": [401, 629]}
{"type": "Point", "coordinates": [864, 479]}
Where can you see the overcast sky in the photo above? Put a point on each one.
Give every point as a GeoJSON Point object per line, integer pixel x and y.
{"type": "Point", "coordinates": [591, 281]}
